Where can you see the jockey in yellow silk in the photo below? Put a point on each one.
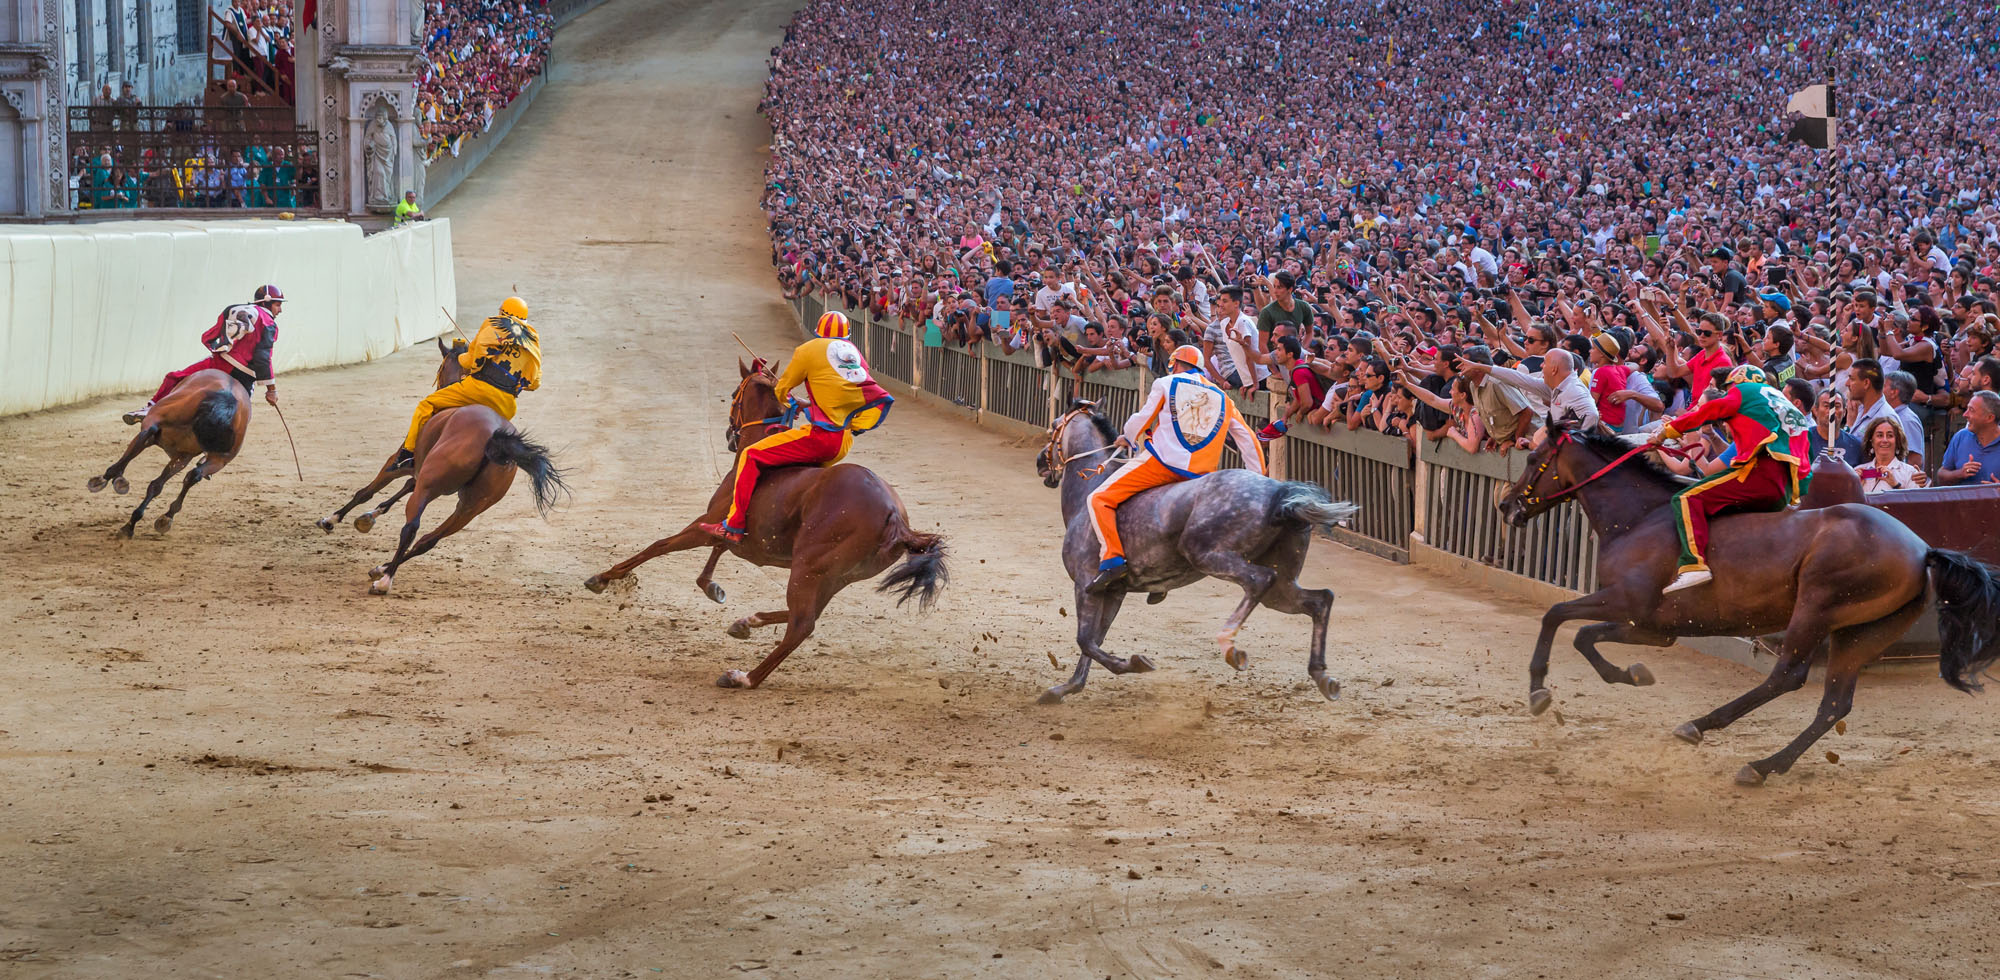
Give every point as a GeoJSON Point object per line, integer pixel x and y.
{"type": "Point", "coordinates": [840, 400]}
{"type": "Point", "coordinates": [504, 360]}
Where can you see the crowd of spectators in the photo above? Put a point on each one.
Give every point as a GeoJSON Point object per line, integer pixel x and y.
{"type": "Point", "coordinates": [226, 156]}
{"type": "Point", "coordinates": [480, 55]}
{"type": "Point", "coordinates": [1446, 220]}
{"type": "Point", "coordinates": [259, 33]}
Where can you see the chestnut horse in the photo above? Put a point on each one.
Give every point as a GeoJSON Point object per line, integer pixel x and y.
{"type": "Point", "coordinates": [208, 413]}
{"type": "Point", "coordinates": [1846, 572]}
{"type": "Point", "coordinates": [469, 451]}
{"type": "Point", "coordinates": [831, 525]}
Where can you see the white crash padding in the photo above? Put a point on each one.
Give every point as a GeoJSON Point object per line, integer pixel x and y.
{"type": "Point", "coordinates": [97, 309]}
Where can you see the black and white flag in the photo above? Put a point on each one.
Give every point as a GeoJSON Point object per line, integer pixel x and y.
{"type": "Point", "coordinates": [1815, 104]}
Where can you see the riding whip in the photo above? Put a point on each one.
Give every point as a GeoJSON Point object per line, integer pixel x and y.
{"type": "Point", "coordinates": [454, 325]}
{"type": "Point", "coordinates": [288, 438]}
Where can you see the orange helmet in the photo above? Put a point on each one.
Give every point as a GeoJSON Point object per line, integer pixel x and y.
{"type": "Point", "coordinates": [1188, 355]}
{"type": "Point", "coordinates": [833, 325]}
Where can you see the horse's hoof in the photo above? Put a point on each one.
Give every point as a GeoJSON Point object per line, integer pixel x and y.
{"type": "Point", "coordinates": [365, 523]}
{"type": "Point", "coordinates": [595, 583]}
{"type": "Point", "coordinates": [715, 593]}
{"type": "Point", "coordinates": [123, 532]}
{"type": "Point", "coordinates": [1237, 658]}
{"type": "Point", "coordinates": [377, 571]}
{"type": "Point", "coordinates": [1053, 695]}
{"type": "Point", "coordinates": [1539, 700]}
{"type": "Point", "coordinates": [163, 525]}
{"type": "Point", "coordinates": [1641, 677]}
{"type": "Point", "coordinates": [739, 629]}
{"type": "Point", "coordinates": [1139, 664]}
{"type": "Point", "coordinates": [1155, 598]}
{"type": "Point", "coordinates": [1688, 733]}
{"type": "Point", "coordinates": [97, 483]}
{"type": "Point", "coordinates": [380, 586]}
{"type": "Point", "coordinates": [1749, 776]}
{"type": "Point", "coordinates": [734, 679]}
{"type": "Point", "coordinates": [121, 486]}
{"type": "Point", "coordinates": [1328, 686]}
{"type": "Point", "coordinates": [324, 524]}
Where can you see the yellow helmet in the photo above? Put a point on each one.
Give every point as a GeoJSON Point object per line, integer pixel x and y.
{"type": "Point", "coordinates": [515, 307]}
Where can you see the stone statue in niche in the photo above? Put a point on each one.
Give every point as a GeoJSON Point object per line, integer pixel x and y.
{"type": "Point", "coordinates": [378, 143]}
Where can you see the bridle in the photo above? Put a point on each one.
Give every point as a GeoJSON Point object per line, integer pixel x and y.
{"type": "Point", "coordinates": [1052, 454]}
{"type": "Point", "coordinates": [1549, 460]}
{"type": "Point", "coordinates": [736, 404]}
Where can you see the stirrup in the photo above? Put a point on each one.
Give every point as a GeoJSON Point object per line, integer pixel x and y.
{"type": "Point", "coordinates": [403, 456]}
{"type": "Point", "coordinates": [721, 530]}
{"type": "Point", "coordinates": [1108, 577]}
{"type": "Point", "coordinates": [1689, 579]}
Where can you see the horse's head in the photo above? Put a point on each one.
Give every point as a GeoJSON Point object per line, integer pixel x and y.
{"type": "Point", "coordinates": [1553, 469]}
{"type": "Point", "coordinates": [755, 403]}
{"type": "Point", "coordinates": [449, 371]}
{"type": "Point", "coordinates": [1066, 440]}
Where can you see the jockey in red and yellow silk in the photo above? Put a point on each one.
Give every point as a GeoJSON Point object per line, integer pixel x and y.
{"type": "Point", "coordinates": [1181, 425]}
{"type": "Point", "coordinates": [840, 401]}
{"type": "Point", "coordinates": [1769, 454]}
{"type": "Point", "coordinates": [240, 345]}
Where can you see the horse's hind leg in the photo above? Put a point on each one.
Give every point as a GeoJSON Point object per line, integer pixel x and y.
{"type": "Point", "coordinates": [202, 471]}
{"type": "Point", "coordinates": [174, 464]}
{"type": "Point", "coordinates": [1854, 647]}
{"type": "Point", "coordinates": [469, 507]}
{"type": "Point", "coordinates": [413, 515]}
{"type": "Point", "coordinates": [691, 536]}
{"type": "Point", "coordinates": [1094, 614]}
{"type": "Point", "coordinates": [1802, 637]}
{"type": "Point", "coordinates": [1287, 597]}
{"type": "Point", "coordinates": [115, 473]}
{"type": "Point", "coordinates": [708, 586]}
{"type": "Point", "coordinates": [1636, 675]}
{"type": "Point", "coordinates": [366, 522]}
{"type": "Point", "coordinates": [1255, 580]}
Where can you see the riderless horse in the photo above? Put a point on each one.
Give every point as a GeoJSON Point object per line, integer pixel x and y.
{"type": "Point", "coordinates": [1234, 525]}
{"type": "Point", "coordinates": [832, 526]}
{"type": "Point", "coordinates": [1846, 572]}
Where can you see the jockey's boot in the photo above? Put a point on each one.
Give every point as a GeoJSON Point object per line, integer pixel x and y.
{"type": "Point", "coordinates": [134, 418]}
{"type": "Point", "coordinates": [1110, 573]}
{"type": "Point", "coordinates": [1688, 579]}
{"type": "Point", "coordinates": [404, 457]}
{"type": "Point", "coordinates": [721, 530]}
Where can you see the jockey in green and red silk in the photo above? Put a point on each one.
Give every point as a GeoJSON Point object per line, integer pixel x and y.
{"type": "Point", "coordinates": [1768, 462]}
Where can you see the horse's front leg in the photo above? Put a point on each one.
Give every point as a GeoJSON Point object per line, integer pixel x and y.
{"type": "Point", "coordinates": [1604, 604]}
{"type": "Point", "coordinates": [382, 477]}
{"type": "Point", "coordinates": [707, 584]}
{"type": "Point", "coordinates": [366, 522]}
{"type": "Point", "coordinates": [115, 473]}
{"type": "Point", "coordinates": [691, 536]}
{"type": "Point", "coordinates": [1094, 614]}
{"type": "Point", "coordinates": [1636, 675]}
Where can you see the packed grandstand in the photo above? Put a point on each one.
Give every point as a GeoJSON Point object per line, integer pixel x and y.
{"type": "Point", "coordinates": [1451, 186]}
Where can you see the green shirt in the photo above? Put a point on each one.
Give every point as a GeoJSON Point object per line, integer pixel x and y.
{"type": "Point", "coordinates": [405, 209]}
{"type": "Point", "coordinates": [1300, 318]}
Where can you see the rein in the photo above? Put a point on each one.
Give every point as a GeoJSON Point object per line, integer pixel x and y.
{"type": "Point", "coordinates": [1055, 436]}
{"type": "Point", "coordinates": [1549, 460]}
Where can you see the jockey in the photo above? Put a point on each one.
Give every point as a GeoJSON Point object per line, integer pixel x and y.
{"type": "Point", "coordinates": [239, 345]}
{"type": "Point", "coordinates": [841, 401]}
{"type": "Point", "coordinates": [1180, 426]}
{"type": "Point", "coordinates": [1768, 455]}
{"type": "Point", "coordinates": [505, 359]}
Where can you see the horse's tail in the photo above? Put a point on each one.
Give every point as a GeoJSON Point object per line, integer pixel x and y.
{"type": "Point", "coordinates": [1968, 606]}
{"type": "Point", "coordinates": [510, 446]}
{"type": "Point", "coordinates": [1311, 505]}
{"type": "Point", "coordinates": [922, 573]}
{"type": "Point", "coordinates": [214, 422]}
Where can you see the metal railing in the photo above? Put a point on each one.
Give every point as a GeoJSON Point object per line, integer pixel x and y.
{"type": "Point", "coordinates": [1460, 518]}
{"type": "Point", "coordinates": [890, 351]}
{"type": "Point", "coordinates": [1118, 394]}
{"type": "Point", "coordinates": [1016, 387]}
{"type": "Point", "coordinates": [191, 157]}
{"type": "Point", "coordinates": [953, 374]}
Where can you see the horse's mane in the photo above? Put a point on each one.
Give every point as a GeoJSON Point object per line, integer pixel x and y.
{"type": "Point", "coordinates": [1611, 446]}
{"type": "Point", "coordinates": [1104, 427]}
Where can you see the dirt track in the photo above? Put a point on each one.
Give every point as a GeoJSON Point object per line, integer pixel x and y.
{"type": "Point", "coordinates": [223, 759]}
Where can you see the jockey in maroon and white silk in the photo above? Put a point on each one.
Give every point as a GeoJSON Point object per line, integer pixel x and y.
{"type": "Point", "coordinates": [240, 345]}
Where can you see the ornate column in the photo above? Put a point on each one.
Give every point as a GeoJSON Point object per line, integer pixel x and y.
{"type": "Point", "coordinates": [31, 86]}
{"type": "Point", "coordinates": [367, 104]}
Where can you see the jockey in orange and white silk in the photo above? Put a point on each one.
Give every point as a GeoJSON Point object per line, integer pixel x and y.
{"type": "Point", "coordinates": [1181, 426]}
{"type": "Point", "coordinates": [841, 400]}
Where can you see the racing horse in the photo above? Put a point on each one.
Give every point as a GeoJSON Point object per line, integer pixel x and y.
{"type": "Point", "coordinates": [1241, 527]}
{"type": "Point", "coordinates": [469, 451]}
{"type": "Point", "coordinates": [1845, 572]}
{"type": "Point", "coordinates": [831, 525]}
{"type": "Point", "coordinates": [206, 415]}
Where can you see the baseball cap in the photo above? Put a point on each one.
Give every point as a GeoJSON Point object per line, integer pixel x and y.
{"type": "Point", "coordinates": [1779, 300]}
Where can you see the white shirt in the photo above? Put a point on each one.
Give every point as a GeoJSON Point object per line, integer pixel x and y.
{"type": "Point", "coordinates": [1485, 261]}
{"type": "Point", "coordinates": [1568, 402]}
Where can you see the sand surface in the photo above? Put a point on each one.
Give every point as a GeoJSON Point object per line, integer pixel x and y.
{"type": "Point", "coordinates": [220, 758]}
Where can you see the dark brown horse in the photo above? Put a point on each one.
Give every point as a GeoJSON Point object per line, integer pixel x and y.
{"type": "Point", "coordinates": [1845, 572]}
{"type": "Point", "coordinates": [469, 451]}
{"type": "Point", "coordinates": [831, 525]}
{"type": "Point", "coordinates": [206, 415]}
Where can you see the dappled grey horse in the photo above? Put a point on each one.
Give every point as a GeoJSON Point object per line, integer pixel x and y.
{"type": "Point", "coordinates": [1234, 525]}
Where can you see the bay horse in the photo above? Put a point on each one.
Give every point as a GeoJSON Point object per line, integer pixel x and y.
{"type": "Point", "coordinates": [1845, 572]}
{"type": "Point", "coordinates": [206, 415]}
{"type": "Point", "coordinates": [469, 451]}
{"type": "Point", "coordinates": [831, 525]}
{"type": "Point", "coordinates": [1242, 527]}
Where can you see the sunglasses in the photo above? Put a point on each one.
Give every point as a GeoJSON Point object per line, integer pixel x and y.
{"type": "Point", "coordinates": [1706, 333]}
